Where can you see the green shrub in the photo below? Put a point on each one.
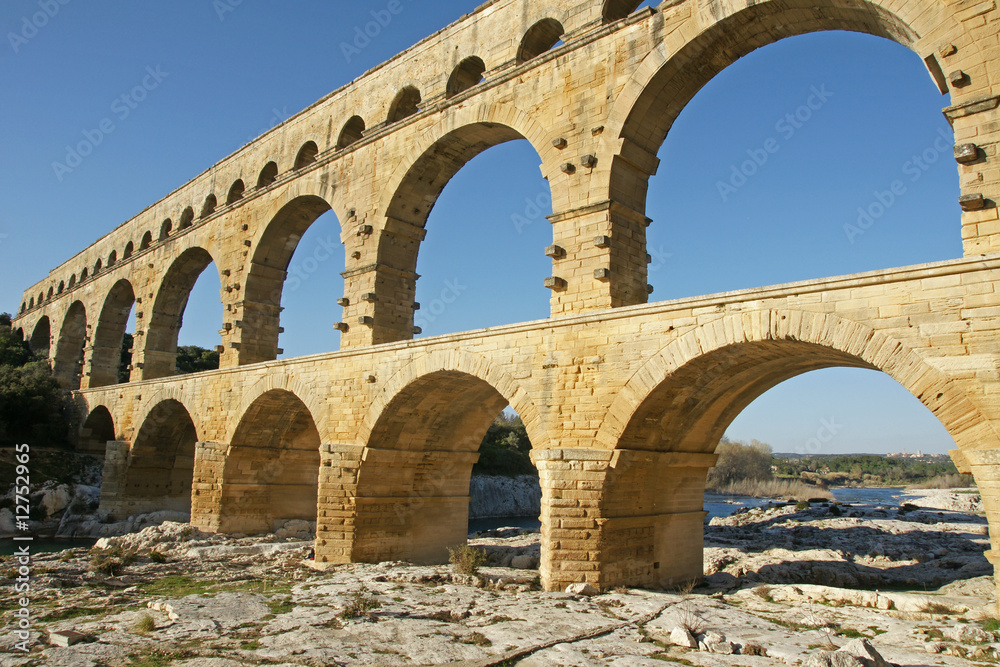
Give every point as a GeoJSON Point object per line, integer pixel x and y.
{"type": "Point", "coordinates": [467, 559]}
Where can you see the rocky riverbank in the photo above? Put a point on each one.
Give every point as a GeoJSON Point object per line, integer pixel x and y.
{"type": "Point", "coordinates": [785, 585]}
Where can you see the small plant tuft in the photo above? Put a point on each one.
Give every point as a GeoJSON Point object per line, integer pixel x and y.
{"type": "Point", "coordinates": [754, 649]}
{"type": "Point", "coordinates": [361, 604]}
{"type": "Point", "coordinates": [111, 561]}
{"type": "Point", "coordinates": [467, 559]}
{"type": "Point", "coordinates": [144, 624]}
{"type": "Point", "coordinates": [156, 556]}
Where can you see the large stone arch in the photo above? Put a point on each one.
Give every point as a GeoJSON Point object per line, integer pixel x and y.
{"type": "Point", "coordinates": [163, 321]}
{"type": "Point", "coordinates": [665, 424]}
{"type": "Point", "coordinates": [271, 468]}
{"type": "Point", "coordinates": [156, 472]}
{"type": "Point", "coordinates": [105, 356]}
{"type": "Point", "coordinates": [67, 364]}
{"type": "Point", "coordinates": [300, 388]}
{"type": "Point", "coordinates": [421, 437]}
{"type": "Point", "coordinates": [41, 337]}
{"type": "Point", "coordinates": [288, 214]}
{"type": "Point", "coordinates": [410, 193]}
{"type": "Point", "coordinates": [718, 34]}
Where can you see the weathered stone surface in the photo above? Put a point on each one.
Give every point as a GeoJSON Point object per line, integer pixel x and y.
{"type": "Point", "coordinates": [683, 637]}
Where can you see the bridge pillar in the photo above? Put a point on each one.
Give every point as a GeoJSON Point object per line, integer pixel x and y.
{"type": "Point", "coordinates": [338, 483]}
{"type": "Point", "coordinates": [113, 478]}
{"type": "Point", "coordinates": [100, 366]}
{"type": "Point", "coordinates": [206, 485]}
{"type": "Point", "coordinates": [984, 465]}
{"type": "Point", "coordinates": [622, 517]}
{"type": "Point", "coordinates": [599, 258]}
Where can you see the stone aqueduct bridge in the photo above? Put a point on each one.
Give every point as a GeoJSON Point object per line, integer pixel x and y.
{"type": "Point", "coordinates": [624, 401]}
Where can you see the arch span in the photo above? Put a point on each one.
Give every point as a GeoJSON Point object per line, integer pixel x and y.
{"type": "Point", "coordinates": [41, 337]}
{"type": "Point", "coordinates": [97, 430]}
{"type": "Point", "coordinates": [105, 356]}
{"type": "Point", "coordinates": [678, 68]}
{"type": "Point", "coordinates": [665, 425]}
{"type": "Point", "coordinates": [271, 469]}
{"type": "Point", "coordinates": [67, 365]}
{"type": "Point", "coordinates": [156, 472]}
{"type": "Point", "coordinates": [411, 194]}
{"type": "Point", "coordinates": [159, 352]}
{"type": "Point", "coordinates": [422, 436]}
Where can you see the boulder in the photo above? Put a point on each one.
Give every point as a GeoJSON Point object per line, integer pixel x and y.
{"type": "Point", "coordinates": [524, 562]}
{"type": "Point", "coordinates": [969, 634]}
{"type": "Point", "coordinates": [682, 637]}
{"type": "Point", "coordinates": [863, 650]}
{"type": "Point", "coordinates": [56, 500]}
{"type": "Point", "coordinates": [582, 589]}
{"type": "Point", "coordinates": [716, 642]}
{"type": "Point", "coordinates": [832, 659]}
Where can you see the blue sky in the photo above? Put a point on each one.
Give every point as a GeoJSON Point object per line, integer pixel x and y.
{"type": "Point", "coordinates": [227, 70]}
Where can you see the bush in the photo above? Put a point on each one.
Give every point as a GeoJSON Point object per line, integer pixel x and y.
{"type": "Point", "coordinates": [144, 624]}
{"type": "Point", "coordinates": [361, 604]}
{"type": "Point", "coordinates": [740, 461]}
{"type": "Point", "coordinates": [467, 559]}
{"type": "Point", "coordinates": [111, 561]}
{"type": "Point", "coordinates": [504, 450]}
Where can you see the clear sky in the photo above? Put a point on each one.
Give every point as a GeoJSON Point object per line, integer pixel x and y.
{"type": "Point", "coordinates": [226, 70]}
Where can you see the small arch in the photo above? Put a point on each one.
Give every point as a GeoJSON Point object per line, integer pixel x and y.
{"type": "Point", "coordinates": [112, 258]}
{"type": "Point", "coordinates": [147, 240]}
{"type": "Point", "coordinates": [41, 297]}
{"type": "Point", "coordinates": [468, 74]}
{"type": "Point", "coordinates": [62, 287]}
{"type": "Point", "coordinates": [98, 265]}
{"type": "Point", "coordinates": [306, 155]}
{"type": "Point", "coordinates": [353, 131]}
{"type": "Point", "coordinates": [41, 337]}
{"type": "Point", "coordinates": [96, 431]}
{"type": "Point", "coordinates": [268, 175]}
{"type": "Point", "coordinates": [72, 281]}
{"type": "Point", "coordinates": [51, 292]}
{"type": "Point", "coordinates": [406, 104]}
{"type": "Point", "coordinates": [186, 217]}
{"type": "Point", "coordinates": [208, 208]}
{"type": "Point", "coordinates": [83, 274]}
{"type": "Point", "coordinates": [165, 229]}
{"type": "Point", "coordinates": [129, 247]}
{"type": "Point", "coordinates": [540, 38]}
{"type": "Point", "coordinates": [236, 191]}
{"type": "Point", "coordinates": [618, 9]}
{"type": "Point", "coordinates": [24, 306]}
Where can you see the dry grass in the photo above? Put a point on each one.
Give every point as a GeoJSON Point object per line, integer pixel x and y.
{"type": "Point", "coordinates": [773, 488]}
{"type": "Point", "coordinates": [946, 482]}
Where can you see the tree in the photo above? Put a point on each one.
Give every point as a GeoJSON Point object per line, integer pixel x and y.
{"type": "Point", "coordinates": [32, 408]}
{"type": "Point", "coordinates": [194, 359]}
{"type": "Point", "coordinates": [739, 461]}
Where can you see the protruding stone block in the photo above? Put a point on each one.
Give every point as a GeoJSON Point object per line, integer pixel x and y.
{"type": "Point", "coordinates": [966, 153]}
{"type": "Point", "coordinates": [972, 202]}
{"type": "Point", "coordinates": [555, 283]}
{"type": "Point", "coordinates": [555, 252]}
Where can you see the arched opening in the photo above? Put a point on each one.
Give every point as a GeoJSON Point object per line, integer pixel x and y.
{"type": "Point", "coordinates": [72, 281]}
{"type": "Point", "coordinates": [667, 444]}
{"type": "Point", "coordinates": [614, 10]}
{"type": "Point", "coordinates": [468, 74]}
{"type": "Point", "coordinates": [268, 175]}
{"type": "Point", "coordinates": [51, 292]}
{"type": "Point", "coordinates": [98, 265]}
{"type": "Point", "coordinates": [768, 158]}
{"type": "Point", "coordinates": [160, 466]}
{"type": "Point", "coordinates": [406, 104]}
{"type": "Point", "coordinates": [84, 274]}
{"type": "Point", "coordinates": [160, 353]}
{"type": "Point", "coordinates": [412, 498]}
{"type": "Point", "coordinates": [41, 337]}
{"type": "Point", "coordinates": [129, 248]}
{"type": "Point", "coordinates": [236, 191]}
{"type": "Point", "coordinates": [68, 363]}
{"type": "Point", "coordinates": [272, 274]}
{"type": "Point", "coordinates": [106, 356]}
{"type": "Point", "coordinates": [25, 306]}
{"type": "Point", "coordinates": [208, 208]}
{"type": "Point", "coordinates": [272, 469]}
{"type": "Point", "coordinates": [41, 298]}
{"type": "Point", "coordinates": [354, 130]}
{"type": "Point", "coordinates": [97, 430]}
{"type": "Point", "coordinates": [539, 39]}
{"type": "Point", "coordinates": [306, 155]}
{"type": "Point", "coordinates": [187, 217]}
{"type": "Point", "coordinates": [62, 287]}
{"type": "Point", "coordinates": [147, 240]}
{"type": "Point", "coordinates": [509, 217]}
{"type": "Point", "coordinates": [165, 228]}
{"type": "Point", "coordinates": [112, 258]}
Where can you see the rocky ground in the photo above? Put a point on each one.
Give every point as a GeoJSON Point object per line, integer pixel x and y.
{"type": "Point", "coordinates": [784, 585]}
